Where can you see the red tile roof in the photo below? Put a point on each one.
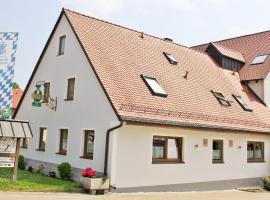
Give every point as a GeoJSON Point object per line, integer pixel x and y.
{"type": "Point", "coordinates": [16, 96]}
{"type": "Point", "coordinates": [250, 46]}
{"type": "Point", "coordinates": [120, 55]}
{"type": "Point", "coordinates": [229, 52]}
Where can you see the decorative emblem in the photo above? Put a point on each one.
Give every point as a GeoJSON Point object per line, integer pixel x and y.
{"type": "Point", "coordinates": [37, 96]}
{"type": "Point", "coordinates": [7, 145]}
{"type": "Point", "coordinates": [6, 113]}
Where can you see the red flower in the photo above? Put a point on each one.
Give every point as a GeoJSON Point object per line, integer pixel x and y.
{"type": "Point", "coordinates": [89, 172]}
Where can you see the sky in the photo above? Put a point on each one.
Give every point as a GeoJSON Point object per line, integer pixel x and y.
{"type": "Point", "coordinates": [187, 22]}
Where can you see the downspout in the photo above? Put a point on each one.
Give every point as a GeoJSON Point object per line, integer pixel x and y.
{"type": "Point", "coordinates": [105, 172]}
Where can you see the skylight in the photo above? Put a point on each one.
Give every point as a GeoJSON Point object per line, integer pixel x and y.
{"type": "Point", "coordinates": [170, 58]}
{"type": "Point", "coordinates": [154, 86]}
{"type": "Point", "coordinates": [242, 103]}
{"type": "Point", "coordinates": [259, 59]}
{"type": "Point", "coordinates": [221, 99]}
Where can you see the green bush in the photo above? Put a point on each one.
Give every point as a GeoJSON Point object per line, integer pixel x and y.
{"type": "Point", "coordinates": [64, 170]}
{"type": "Point", "coordinates": [266, 182]}
{"type": "Point", "coordinates": [21, 163]}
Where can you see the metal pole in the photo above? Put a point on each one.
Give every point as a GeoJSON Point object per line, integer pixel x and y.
{"type": "Point", "coordinates": [15, 169]}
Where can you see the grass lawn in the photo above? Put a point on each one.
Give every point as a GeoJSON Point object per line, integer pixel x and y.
{"type": "Point", "coordinates": [27, 181]}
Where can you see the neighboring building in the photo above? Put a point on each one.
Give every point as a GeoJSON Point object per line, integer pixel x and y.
{"type": "Point", "coordinates": [249, 55]}
{"type": "Point", "coordinates": [16, 97]}
{"type": "Point", "coordinates": [145, 110]}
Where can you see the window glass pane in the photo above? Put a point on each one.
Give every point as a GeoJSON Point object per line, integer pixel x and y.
{"type": "Point", "coordinates": [158, 151]}
{"type": "Point", "coordinates": [71, 85]}
{"type": "Point", "coordinates": [217, 150]}
{"type": "Point", "coordinates": [171, 59]}
{"type": "Point", "coordinates": [43, 138]}
{"type": "Point", "coordinates": [46, 92]}
{"type": "Point", "coordinates": [89, 142]}
{"type": "Point", "coordinates": [259, 59]}
{"type": "Point", "coordinates": [172, 152]}
{"type": "Point", "coordinates": [62, 44]}
{"type": "Point", "coordinates": [65, 138]}
{"type": "Point", "coordinates": [258, 151]}
{"type": "Point", "coordinates": [250, 151]}
{"type": "Point", "coordinates": [155, 86]}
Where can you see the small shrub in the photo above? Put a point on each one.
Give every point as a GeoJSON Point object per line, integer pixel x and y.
{"type": "Point", "coordinates": [40, 169]}
{"type": "Point", "coordinates": [52, 174]}
{"type": "Point", "coordinates": [64, 170]}
{"type": "Point", "coordinates": [30, 169]}
{"type": "Point", "coordinates": [21, 163]}
{"type": "Point", "coordinates": [266, 182]}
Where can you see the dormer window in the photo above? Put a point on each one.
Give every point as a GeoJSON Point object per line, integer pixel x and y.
{"type": "Point", "coordinates": [221, 99]}
{"type": "Point", "coordinates": [170, 58]}
{"type": "Point", "coordinates": [259, 59]}
{"type": "Point", "coordinates": [154, 86]}
{"type": "Point", "coordinates": [61, 48]}
{"type": "Point", "coordinates": [242, 103]}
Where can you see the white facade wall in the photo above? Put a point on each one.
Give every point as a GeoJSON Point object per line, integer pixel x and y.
{"type": "Point", "coordinates": [90, 108]}
{"type": "Point", "coordinates": [266, 90]}
{"type": "Point", "coordinates": [133, 166]}
{"type": "Point", "coordinates": [258, 87]}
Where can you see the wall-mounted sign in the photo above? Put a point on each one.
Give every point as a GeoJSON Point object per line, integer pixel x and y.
{"type": "Point", "coordinates": [7, 162]}
{"type": "Point", "coordinates": [37, 96]}
{"type": "Point", "coordinates": [8, 47]}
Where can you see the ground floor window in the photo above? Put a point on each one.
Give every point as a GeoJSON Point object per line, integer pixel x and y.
{"type": "Point", "coordinates": [89, 136]}
{"type": "Point", "coordinates": [24, 143]}
{"type": "Point", "coordinates": [42, 139]}
{"type": "Point", "coordinates": [255, 151]}
{"type": "Point", "coordinates": [63, 141]}
{"type": "Point", "coordinates": [166, 149]}
{"type": "Point", "coordinates": [217, 151]}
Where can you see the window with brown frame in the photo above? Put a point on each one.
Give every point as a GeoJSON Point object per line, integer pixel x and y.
{"type": "Point", "coordinates": [167, 149]}
{"type": "Point", "coordinates": [217, 151]}
{"type": "Point", "coordinates": [63, 141]}
{"type": "Point", "coordinates": [88, 150]}
{"type": "Point", "coordinates": [24, 143]}
{"type": "Point", "coordinates": [42, 139]}
{"type": "Point", "coordinates": [255, 151]}
{"type": "Point", "coordinates": [62, 41]}
{"type": "Point", "coordinates": [46, 92]}
{"type": "Point", "coordinates": [70, 89]}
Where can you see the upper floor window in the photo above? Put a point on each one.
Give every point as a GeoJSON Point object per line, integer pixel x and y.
{"type": "Point", "coordinates": [63, 141]}
{"type": "Point", "coordinates": [255, 151]}
{"type": "Point", "coordinates": [221, 99]}
{"type": "Point", "coordinates": [166, 149]}
{"type": "Point", "coordinates": [217, 151]}
{"type": "Point", "coordinates": [154, 86]}
{"type": "Point", "coordinates": [61, 48]}
{"type": "Point", "coordinates": [46, 92]}
{"type": "Point", "coordinates": [242, 103]}
{"type": "Point", "coordinates": [70, 89]}
{"type": "Point", "coordinates": [89, 137]}
{"type": "Point", "coordinates": [259, 59]}
{"type": "Point", "coordinates": [42, 139]}
{"type": "Point", "coordinates": [170, 58]}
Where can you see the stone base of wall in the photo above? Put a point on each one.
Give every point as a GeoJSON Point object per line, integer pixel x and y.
{"type": "Point", "coordinates": [200, 186]}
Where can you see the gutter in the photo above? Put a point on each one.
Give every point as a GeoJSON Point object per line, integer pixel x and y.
{"type": "Point", "coordinates": [105, 172]}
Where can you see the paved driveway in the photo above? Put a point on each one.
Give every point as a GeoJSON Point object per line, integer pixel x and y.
{"type": "Point", "coordinates": [219, 195]}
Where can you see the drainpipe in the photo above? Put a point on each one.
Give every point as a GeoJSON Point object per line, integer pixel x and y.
{"type": "Point", "coordinates": [107, 147]}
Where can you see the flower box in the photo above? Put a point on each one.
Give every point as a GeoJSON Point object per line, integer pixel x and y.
{"type": "Point", "coordinates": [95, 184]}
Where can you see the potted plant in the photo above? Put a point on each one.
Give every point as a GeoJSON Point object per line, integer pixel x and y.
{"type": "Point", "coordinates": [93, 183]}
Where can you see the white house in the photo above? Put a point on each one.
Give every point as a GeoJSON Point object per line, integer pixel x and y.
{"type": "Point", "coordinates": [150, 113]}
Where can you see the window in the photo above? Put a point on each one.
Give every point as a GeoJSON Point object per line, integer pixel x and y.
{"type": "Point", "coordinates": [170, 58]}
{"type": "Point", "coordinates": [166, 149]}
{"type": "Point", "coordinates": [42, 139]}
{"type": "Point", "coordinates": [63, 141]}
{"type": "Point", "coordinates": [259, 59]}
{"type": "Point", "coordinates": [24, 143]}
{"type": "Point", "coordinates": [154, 86]}
{"type": "Point", "coordinates": [242, 103]}
{"type": "Point", "coordinates": [221, 99]}
{"type": "Point", "coordinates": [70, 89]}
{"type": "Point", "coordinates": [217, 151]}
{"type": "Point", "coordinates": [62, 41]}
{"type": "Point", "coordinates": [46, 92]}
{"type": "Point", "coordinates": [89, 137]}
{"type": "Point", "coordinates": [255, 151]}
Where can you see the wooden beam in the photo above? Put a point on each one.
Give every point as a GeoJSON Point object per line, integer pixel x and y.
{"type": "Point", "coordinates": [17, 153]}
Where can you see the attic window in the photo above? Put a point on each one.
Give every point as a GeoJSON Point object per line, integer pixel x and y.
{"type": "Point", "coordinates": [170, 58]}
{"type": "Point", "coordinates": [259, 59]}
{"type": "Point", "coordinates": [154, 86]}
{"type": "Point", "coordinates": [242, 103]}
{"type": "Point", "coordinates": [221, 99]}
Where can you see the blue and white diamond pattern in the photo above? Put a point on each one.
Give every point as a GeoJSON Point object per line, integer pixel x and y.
{"type": "Point", "coordinates": [7, 71]}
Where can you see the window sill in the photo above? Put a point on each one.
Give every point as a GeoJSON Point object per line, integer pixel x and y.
{"type": "Point", "coordinates": [60, 54]}
{"type": "Point", "coordinates": [217, 162]}
{"type": "Point", "coordinates": [68, 99]}
{"type": "Point", "coordinates": [168, 162]}
{"type": "Point", "coordinates": [42, 150]}
{"type": "Point", "coordinates": [61, 153]}
{"type": "Point", "coordinates": [256, 161]}
{"type": "Point", "coordinates": [23, 147]}
{"type": "Point", "coordinates": [86, 157]}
